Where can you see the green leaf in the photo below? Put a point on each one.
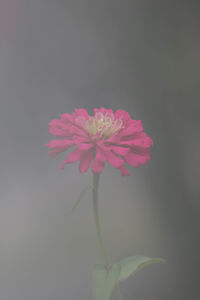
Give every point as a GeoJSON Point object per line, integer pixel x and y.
{"type": "Point", "coordinates": [105, 279]}
{"type": "Point", "coordinates": [82, 194]}
{"type": "Point", "coordinates": [131, 265]}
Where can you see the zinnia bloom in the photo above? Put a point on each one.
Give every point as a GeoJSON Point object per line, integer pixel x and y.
{"type": "Point", "coordinates": [104, 137]}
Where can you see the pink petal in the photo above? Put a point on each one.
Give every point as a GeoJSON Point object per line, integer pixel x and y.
{"type": "Point", "coordinates": [83, 146]}
{"type": "Point", "coordinates": [100, 153]}
{"type": "Point", "coordinates": [143, 141]}
{"type": "Point", "coordinates": [60, 143]}
{"type": "Point", "coordinates": [134, 127]}
{"type": "Point", "coordinates": [113, 159]}
{"type": "Point", "coordinates": [85, 160]}
{"type": "Point", "coordinates": [137, 159]}
{"type": "Point", "coordinates": [103, 146]}
{"type": "Point", "coordinates": [124, 171]}
{"type": "Point", "coordinates": [67, 118]}
{"type": "Point", "coordinates": [81, 112]}
{"type": "Point", "coordinates": [115, 139]}
{"type": "Point", "coordinates": [58, 128]}
{"type": "Point", "coordinates": [120, 150]}
{"type": "Point", "coordinates": [103, 110]}
{"type": "Point", "coordinates": [54, 153]}
{"type": "Point", "coordinates": [139, 141]}
{"type": "Point", "coordinates": [81, 139]}
{"type": "Point", "coordinates": [80, 121]}
{"type": "Point", "coordinates": [60, 146]}
{"type": "Point", "coordinates": [74, 130]}
{"type": "Point", "coordinates": [72, 157]}
{"type": "Point", "coordinates": [97, 166]}
{"type": "Point", "coordinates": [98, 163]}
{"type": "Point", "coordinates": [122, 114]}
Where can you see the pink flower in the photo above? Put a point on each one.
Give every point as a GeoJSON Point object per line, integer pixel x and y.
{"type": "Point", "coordinates": [104, 137]}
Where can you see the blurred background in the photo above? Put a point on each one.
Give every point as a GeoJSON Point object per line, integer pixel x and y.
{"type": "Point", "coordinates": [138, 55]}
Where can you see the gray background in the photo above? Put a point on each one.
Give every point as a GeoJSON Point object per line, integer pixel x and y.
{"type": "Point", "coordinates": [138, 55]}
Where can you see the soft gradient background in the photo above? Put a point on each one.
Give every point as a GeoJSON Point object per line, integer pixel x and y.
{"type": "Point", "coordinates": [138, 55]}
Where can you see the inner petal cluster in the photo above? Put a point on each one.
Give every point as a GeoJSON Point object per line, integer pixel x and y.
{"type": "Point", "coordinates": [103, 125]}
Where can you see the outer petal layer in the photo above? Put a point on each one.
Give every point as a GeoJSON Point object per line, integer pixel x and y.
{"type": "Point", "coordinates": [114, 160]}
{"type": "Point", "coordinates": [124, 171]}
{"type": "Point", "coordinates": [60, 146]}
{"type": "Point", "coordinates": [136, 159]}
{"type": "Point", "coordinates": [97, 166]}
{"type": "Point", "coordinates": [59, 128]}
{"type": "Point", "coordinates": [72, 157]}
{"type": "Point", "coordinates": [85, 160]}
{"type": "Point", "coordinates": [98, 163]}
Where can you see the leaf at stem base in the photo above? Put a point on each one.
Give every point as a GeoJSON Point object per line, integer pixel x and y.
{"type": "Point", "coordinates": [131, 265]}
{"type": "Point", "coordinates": [106, 278]}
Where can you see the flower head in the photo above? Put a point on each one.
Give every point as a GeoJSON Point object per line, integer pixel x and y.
{"type": "Point", "coordinates": [104, 137]}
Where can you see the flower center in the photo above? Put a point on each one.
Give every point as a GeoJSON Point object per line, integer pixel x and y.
{"type": "Point", "coordinates": [103, 126]}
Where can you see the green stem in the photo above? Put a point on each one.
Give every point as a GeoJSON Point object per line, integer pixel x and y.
{"type": "Point", "coordinates": [96, 216]}
{"type": "Point", "coordinates": [117, 292]}
{"type": "Point", "coordinates": [98, 228]}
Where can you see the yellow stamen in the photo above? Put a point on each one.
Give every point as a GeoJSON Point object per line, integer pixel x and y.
{"type": "Point", "coordinates": [106, 125]}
